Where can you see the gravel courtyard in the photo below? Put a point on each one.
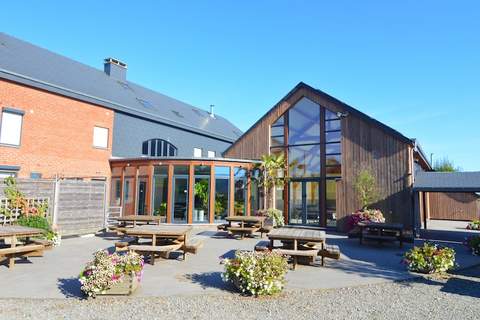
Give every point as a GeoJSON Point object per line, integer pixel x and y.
{"type": "Point", "coordinates": [455, 297]}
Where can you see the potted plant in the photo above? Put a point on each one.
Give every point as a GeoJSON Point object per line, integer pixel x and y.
{"type": "Point", "coordinates": [275, 216]}
{"type": "Point", "coordinates": [473, 243]}
{"type": "Point", "coordinates": [112, 274]}
{"type": "Point", "coordinates": [256, 273]}
{"type": "Point", "coordinates": [430, 258]}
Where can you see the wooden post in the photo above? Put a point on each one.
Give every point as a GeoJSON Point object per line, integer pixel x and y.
{"type": "Point", "coordinates": [248, 200]}
{"type": "Point", "coordinates": [231, 210]}
{"type": "Point", "coordinates": [191, 196]}
{"type": "Point", "coordinates": [169, 193]}
{"type": "Point", "coordinates": [211, 208]}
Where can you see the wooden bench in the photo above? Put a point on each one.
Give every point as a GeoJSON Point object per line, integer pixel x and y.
{"type": "Point", "coordinates": [242, 231]}
{"type": "Point", "coordinates": [329, 251]}
{"type": "Point", "coordinates": [294, 254]}
{"type": "Point", "coordinates": [123, 244]}
{"type": "Point", "coordinates": [193, 245]}
{"type": "Point", "coordinates": [44, 242]}
{"type": "Point", "coordinates": [152, 250]}
{"type": "Point", "coordinates": [222, 227]}
{"type": "Point", "coordinates": [262, 246]}
{"type": "Point", "coordinates": [31, 250]}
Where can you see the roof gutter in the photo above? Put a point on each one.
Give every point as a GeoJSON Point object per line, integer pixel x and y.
{"type": "Point", "coordinates": [16, 77]}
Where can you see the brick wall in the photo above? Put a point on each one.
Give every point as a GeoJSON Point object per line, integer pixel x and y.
{"type": "Point", "coordinates": [57, 134]}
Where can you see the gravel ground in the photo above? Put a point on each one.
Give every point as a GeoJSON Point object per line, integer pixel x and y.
{"type": "Point", "coordinates": [452, 297]}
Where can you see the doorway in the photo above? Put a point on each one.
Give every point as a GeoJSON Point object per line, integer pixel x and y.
{"type": "Point", "coordinates": [142, 198]}
{"type": "Point", "coordinates": [180, 199]}
{"type": "Point", "coordinates": [304, 202]}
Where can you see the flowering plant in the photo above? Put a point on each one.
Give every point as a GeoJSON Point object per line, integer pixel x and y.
{"type": "Point", "coordinates": [107, 269]}
{"type": "Point", "coordinates": [373, 215]}
{"type": "Point", "coordinates": [473, 243]}
{"type": "Point", "coordinates": [256, 273]}
{"type": "Point", "coordinates": [430, 258]}
{"type": "Point", "coordinates": [474, 225]}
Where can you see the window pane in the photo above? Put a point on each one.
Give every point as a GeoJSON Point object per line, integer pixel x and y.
{"type": "Point", "coordinates": [330, 115]}
{"type": "Point", "coordinates": [222, 171]}
{"type": "Point", "coordinates": [222, 187]}
{"type": "Point", "coordinates": [153, 148]}
{"type": "Point", "coordinates": [100, 137]}
{"type": "Point", "coordinates": [211, 154]}
{"type": "Point", "coordinates": [333, 148]}
{"type": "Point", "coordinates": [334, 136]}
{"type": "Point", "coordinates": [197, 152]}
{"type": "Point", "coordinates": [277, 151]}
{"type": "Point", "coordinates": [334, 171]}
{"type": "Point", "coordinates": [160, 170]}
{"type": "Point", "coordinates": [180, 170]}
{"type": "Point", "coordinates": [304, 161]}
{"type": "Point", "coordinates": [115, 192]}
{"type": "Point", "coordinates": [201, 199]}
{"type": "Point", "coordinates": [332, 125]}
{"type": "Point", "coordinates": [145, 148]}
{"type": "Point", "coordinates": [304, 122]}
{"type": "Point", "coordinates": [239, 196]}
{"type": "Point", "coordinates": [276, 141]}
{"type": "Point", "coordinates": [333, 160]}
{"type": "Point", "coordinates": [11, 128]}
{"type": "Point", "coordinates": [331, 202]}
{"type": "Point", "coordinates": [202, 170]}
{"type": "Point", "coordinates": [173, 151]}
{"type": "Point", "coordinates": [277, 131]}
{"type": "Point", "coordinates": [160, 192]}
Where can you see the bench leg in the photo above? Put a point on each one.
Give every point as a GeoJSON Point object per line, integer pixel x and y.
{"type": "Point", "coordinates": [323, 261]}
{"type": "Point", "coordinates": [11, 261]}
{"type": "Point", "coordinates": [294, 262]}
{"type": "Point", "coordinates": [152, 258]}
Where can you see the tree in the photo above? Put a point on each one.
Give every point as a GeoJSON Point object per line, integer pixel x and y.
{"type": "Point", "coordinates": [366, 188]}
{"type": "Point", "coordinates": [445, 165]}
{"type": "Point", "coordinates": [271, 174]}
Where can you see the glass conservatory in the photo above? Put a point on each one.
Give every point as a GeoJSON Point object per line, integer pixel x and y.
{"type": "Point", "coordinates": [204, 190]}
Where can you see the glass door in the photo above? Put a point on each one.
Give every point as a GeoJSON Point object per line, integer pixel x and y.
{"type": "Point", "coordinates": [304, 202]}
{"type": "Point", "coordinates": [180, 199]}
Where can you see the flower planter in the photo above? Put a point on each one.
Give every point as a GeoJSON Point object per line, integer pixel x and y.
{"type": "Point", "coordinates": [127, 286]}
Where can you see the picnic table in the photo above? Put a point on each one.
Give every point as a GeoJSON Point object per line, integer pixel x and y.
{"type": "Point", "coordinates": [138, 219]}
{"type": "Point", "coordinates": [10, 235]}
{"type": "Point", "coordinates": [174, 238]}
{"type": "Point", "coordinates": [381, 231]}
{"type": "Point", "coordinates": [246, 224]}
{"type": "Point", "coordinates": [298, 242]}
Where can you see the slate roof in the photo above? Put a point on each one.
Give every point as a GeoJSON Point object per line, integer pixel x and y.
{"type": "Point", "coordinates": [26, 63]}
{"type": "Point", "coordinates": [447, 181]}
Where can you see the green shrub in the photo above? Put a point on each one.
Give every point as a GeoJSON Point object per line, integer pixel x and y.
{"type": "Point", "coordinates": [474, 225]}
{"type": "Point", "coordinates": [430, 258]}
{"type": "Point", "coordinates": [277, 216]}
{"type": "Point", "coordinates": [34, 222]}
{"type": "Point", "coordinates": [256, 273]}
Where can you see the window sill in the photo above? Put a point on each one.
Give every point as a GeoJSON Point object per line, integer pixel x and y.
{"type": "Point", "coordinates": [100, 148]}
{"type": "Point", "coordinates": [10, 145]}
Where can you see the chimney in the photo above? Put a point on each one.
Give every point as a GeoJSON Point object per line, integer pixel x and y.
{"type": "Point", "coordinates": [211, 111]}
{"type": "Point", "coordinates": [115, 68]}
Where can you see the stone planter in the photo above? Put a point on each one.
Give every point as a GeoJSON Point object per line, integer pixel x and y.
{"type": "Point", "coordinates": [127, 286]}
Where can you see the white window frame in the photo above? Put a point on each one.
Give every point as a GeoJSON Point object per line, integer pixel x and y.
{"type": "Point", "coordinates": [211, 154]}
{"type": "Point", "coordinates": [8, 173]}
{"type": "Point", "coordinates": [4, 136]}
{"type": "Point", "coordinates": [196, 152]}
{"type": "Point", "coordinates": [100, 131]}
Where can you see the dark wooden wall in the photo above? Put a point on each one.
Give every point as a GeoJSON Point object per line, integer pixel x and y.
{"type": "Point", "coordinates": [365, 144]}
{"type": "Point", "coordinates": [454, 206]}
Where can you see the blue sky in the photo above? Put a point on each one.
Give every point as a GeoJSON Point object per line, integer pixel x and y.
{"type": "Point", "coordinates": [414, 65]}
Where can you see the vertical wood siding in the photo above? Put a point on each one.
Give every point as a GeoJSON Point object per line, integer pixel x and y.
{"type": "Point", "coordinates": [454, 206]}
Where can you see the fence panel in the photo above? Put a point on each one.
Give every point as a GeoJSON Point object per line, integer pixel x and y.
{"type": "Point", "coordinates": [80, 206]}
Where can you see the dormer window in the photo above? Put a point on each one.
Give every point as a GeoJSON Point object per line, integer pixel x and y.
{"type": "Point", "coordinates": [158, 148]}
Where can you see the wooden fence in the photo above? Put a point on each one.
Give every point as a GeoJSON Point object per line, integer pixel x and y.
{"type": "Point", "coordinates": [76, 206]}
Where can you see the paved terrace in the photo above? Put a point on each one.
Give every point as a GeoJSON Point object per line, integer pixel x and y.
{"type": "Point", "coordinates": [55, 274]}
